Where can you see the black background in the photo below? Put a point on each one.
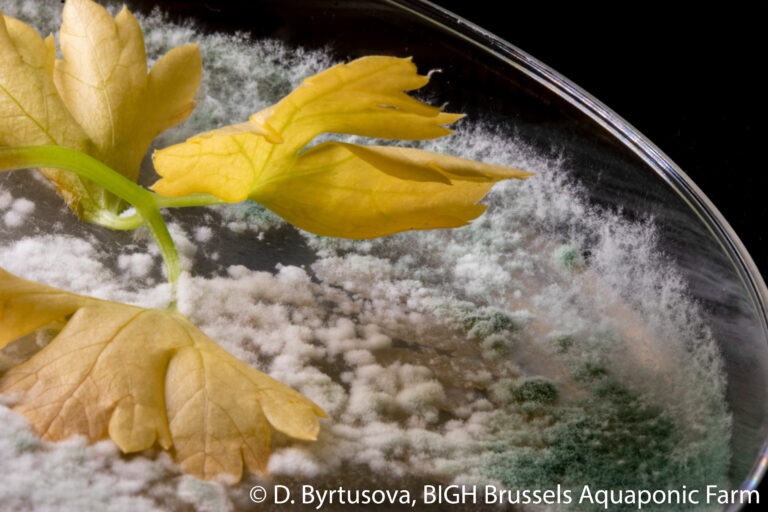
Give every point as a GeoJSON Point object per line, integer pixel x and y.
{"type": "Point", "coordinates": [687, 80]}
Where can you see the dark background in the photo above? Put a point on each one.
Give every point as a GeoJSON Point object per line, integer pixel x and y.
{"type": "Point", "coordinates": [687, 80]}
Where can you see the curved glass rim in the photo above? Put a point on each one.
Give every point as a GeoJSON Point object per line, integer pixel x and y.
{"type": "Point", "coordinates": [635, 141]}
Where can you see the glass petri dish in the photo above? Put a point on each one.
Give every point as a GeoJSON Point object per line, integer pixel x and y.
{"type": "Point", "coordinates": [616, 168]}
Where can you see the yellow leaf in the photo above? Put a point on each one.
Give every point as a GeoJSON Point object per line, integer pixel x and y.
{"type": "Point", "coordinates": [99, 99]}
{"type": "Point", "coordinates": [371, 191]}
{"type": "Point", "coordinates": [31, 110]}
{"type": "Point", "coordinates": [365, 97]}
{"type": "Point", "coordinates": [144, 377]}
{"type": "Point", "coordinates": [338, 189]}
{"type": "Point", "coordinates": [103, 80]}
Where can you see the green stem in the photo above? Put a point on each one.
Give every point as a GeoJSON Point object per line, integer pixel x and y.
{"type": "Point", "coordinates": [185, 201]}
{"type": "Point", "coordinates": [126, 222]}
{"type": "Point", "coordinates": [117, 222]}
{"type": "Point", "coordinates": [146, 203]}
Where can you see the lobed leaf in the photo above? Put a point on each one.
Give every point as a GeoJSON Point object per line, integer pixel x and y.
{"type": "Point", "coordinates": [144, 377]}
{"type": "Point", "coordinates": [338, 189]}
{"type": "Point", "coordinates": [371, 191]}
{"type": "Point", "coordinates": [31, 111]}
{"type": "Point", "coordinates": [99, 99]}
{"type": "Point", "coordinates": [104, 82]}
{"type": "Point", "coordinates": [365, 97]}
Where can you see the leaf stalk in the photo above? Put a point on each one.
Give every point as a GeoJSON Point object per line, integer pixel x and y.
{"type": "Point", "coordinates": [146, 203]}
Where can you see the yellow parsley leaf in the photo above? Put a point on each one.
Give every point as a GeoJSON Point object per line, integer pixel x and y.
{"type": "Point", "coordinates": [103, 80]}
{"type": "Point", "coordinates": [338, 189]}
{"type": "Point", "coordinates": [364, 97]}
{"type": "Point", "coordinates": [99, 99]}
{"type": "Point", "coordinates": [30, 108]}
{"type": "Point", "coordinates": [143, 377]}
{"type": "Point", "coordinates": [371, 191]}
{"type": "Point", "coordinates": [31, 111]}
